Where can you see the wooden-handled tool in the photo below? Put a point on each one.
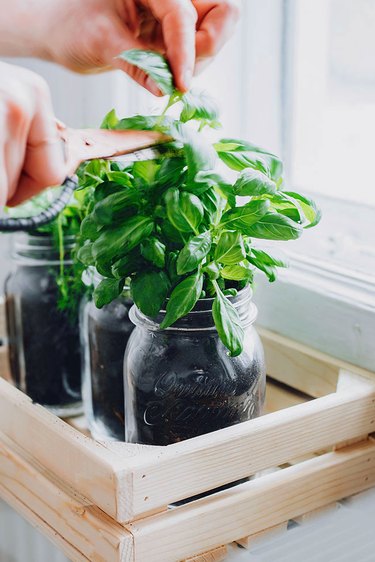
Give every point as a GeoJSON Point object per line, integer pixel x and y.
{"type": "Point", "coordinates": [89, 144]}
{"type": "Point", "coordinates": [81, 145]}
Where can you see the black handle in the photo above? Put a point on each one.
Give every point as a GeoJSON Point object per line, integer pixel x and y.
{"type": "Point", "coordinates": [31, 223]}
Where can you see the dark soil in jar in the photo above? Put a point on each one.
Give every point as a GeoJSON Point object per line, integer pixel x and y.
{"type": "Point", "coordinates": [109, 330]}
{"type": "Point", "coordinates": [198, 389]}
{"type": "Point", "coordinates": [44, 342]}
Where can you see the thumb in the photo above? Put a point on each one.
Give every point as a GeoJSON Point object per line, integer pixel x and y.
{"type": "Point", "coordinates": [44, 164]}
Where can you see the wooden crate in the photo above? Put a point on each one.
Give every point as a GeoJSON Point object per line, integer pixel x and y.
{"type": "Point", "coordinates": [108, 502]}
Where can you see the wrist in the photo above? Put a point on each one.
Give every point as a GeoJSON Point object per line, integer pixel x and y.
{"type": "Point", "coordinates": [23, 28]}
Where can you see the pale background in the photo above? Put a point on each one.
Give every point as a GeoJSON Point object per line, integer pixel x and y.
{"type": "Point", "coordinates": [298, 78]}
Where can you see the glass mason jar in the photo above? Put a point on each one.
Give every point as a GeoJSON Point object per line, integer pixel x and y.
{"type": "Point", "coordinates": [180, 382]}
{"type": "Point", "coordinates": [104, 335]}
{"type": "Point", "coordinates": [43, 340]}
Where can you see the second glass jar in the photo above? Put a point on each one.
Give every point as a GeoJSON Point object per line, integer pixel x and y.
{"type": "Point", "coordinates": [104, 335]}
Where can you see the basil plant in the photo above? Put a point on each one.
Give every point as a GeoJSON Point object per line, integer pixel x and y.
{"type": "Point", "coordinates": [176, 228]}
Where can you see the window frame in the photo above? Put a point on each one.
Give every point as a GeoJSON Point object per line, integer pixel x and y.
{"type": "Point", "coordinates": [318, 300]}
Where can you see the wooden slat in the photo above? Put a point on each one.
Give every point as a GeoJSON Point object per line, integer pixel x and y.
{"type": "Point", "coordinates": [3, 329]}
{"type": "Point", "coordinates": [216, 555]}
{"type": "Point", "coordinates": [4, 363]}
{"type": "Point", "coordinates": [302, 367]}
{"type": "Point", "coordinates": [82, 531]}
{"type": "Point", "coordinates": [280, 396]}
{"type": "Point", "coordinates": [85, 464]}
{"type": "Point", "coordinates": [256, 505]}
{"type": "Point", "coordinates": [238, 451]}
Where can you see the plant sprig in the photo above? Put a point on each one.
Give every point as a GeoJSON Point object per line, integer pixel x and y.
{"type": "Point", "coordinates": [66, 224]}
{"type": "Point", "coordinates": [178, 229]}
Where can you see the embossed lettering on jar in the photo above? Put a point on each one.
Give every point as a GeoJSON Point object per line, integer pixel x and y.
{"type": "Point", "coordinates": [181, 382]}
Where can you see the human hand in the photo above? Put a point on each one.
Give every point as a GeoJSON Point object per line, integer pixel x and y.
{"type": "Point", "coordinates": [31, 156]}
{"type": "Point", "coordinates": [89, 34]}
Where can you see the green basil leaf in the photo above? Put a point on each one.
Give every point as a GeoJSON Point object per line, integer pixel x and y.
{"type": "Point", "coordinates": [241, 160]}
{"type": "Point", "coordinates": [230, 292]}
{"type": "Point", "coordinates": [193, 253]}
{"type": "Point", "coordinates": [104, 267]}
{"type": "Point", "coordinates": [230, 248]}
{"type": "Point", "coordinates": [90, 229]}
{"type": "Point", "coordinates": [274, 226]}
{"type": "Point", "coordinates": [258, 256]}
{"type": "Point", "coordinates": [153, 64]}
{"type": "Point", "coordinates": [107, 291]}
{"type": "Point", "coordinates": [153, 251]}
{"type": "Point", "coordinates": [116, 241]}
{"type": "Point", "coordinates": [171, 172]}
{"type": "Point", "coordinates": [110, 120]}
{"type": "Point", "coordinates": [117, 205]}
{"type": "Point", "coordinates": [120, 178]}
{"type": "Point", "coordinates": [107, 188]}
{"type": "Point", "coordinates": [212, 270]}
{"type": "Point", "coordinates": [214, 205]}
{"type": "Point", "coordinates": [228, 324]}
{"type": "Point", "coordinates": [272, 163]}
{"type": "Point", "coordinates": [199, 153]}
{"type": "Point", "coordinates": [203, 181]}
{"type": "Point", "coordinates": [227, 190]}
{"type": "Point", "coordinates": [237, 272]}
{"type": "Point", "coordinates": [184, 210]}
{"type": "Point", "coordinates": [85, 256]}
{"type": "Point", "coordinates": [171, 267]}
{"type": "Point", "coordinates": [242, 218]}
{"type": "Point", "coordinates": [266, 263]}
{"type": "Point", "coordinates": [145, 123]}
{"type": "Point", "coordinates": [198, 105]}
{"type": "Point", "coordinates": [309, 208]}
{"type": "Point", "coordinates": [183, 299]}
{"type": "Point", "coordinates": [92, 173]}
{"type": "Point", "coordinates": [145, 170]}
{"type": "Point", "coordinates": [149, 291]}
{"type": "Point", "coordinates": [126, 266]}
{"type": "Point", "coordinates": [254, 183]}
{"type": "Point", "coordinates": [285, 206]}
{"type": "Point", "coordinates": [172, 234]}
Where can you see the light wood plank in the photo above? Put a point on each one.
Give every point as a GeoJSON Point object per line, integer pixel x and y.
{"type": "Point", "coordinates": [3, 327]}
{"type": "Point", "coordinates": [256, 505]}
{"type": "Point", "coordinates": [216, 555]}
{"type": "Point", "coordinates": [78, 460]}
{"type": "Point", "coordinates": [317, 512]}
{"type": "Point", "coordinates": [238, 451]}
{"type": "Point", "coordinates": [302, 367]}
{"type": "Point", "coordinates": [55, 509]}
{"type": "Point", "coordinates": [279, 396]}
{"type": "Point", "coordinates": [4, 363]}
{"type": "Point", "coordinates": [42, 526]}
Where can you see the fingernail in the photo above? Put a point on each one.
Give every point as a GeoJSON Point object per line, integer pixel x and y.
{"type": "Point", "coordinates": [188, 75]}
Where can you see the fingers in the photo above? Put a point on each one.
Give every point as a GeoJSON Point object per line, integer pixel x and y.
{"type": "Point", "coordinates": [216, 23]}
{"type": "Point", "coordinates": [121, 40]}
{"type": "Point", "coordinates": [31, 150]}
{"type": "Point", "coordinates": [178, 19]}
{"type": "Point", "coordinates": [138, 76]}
